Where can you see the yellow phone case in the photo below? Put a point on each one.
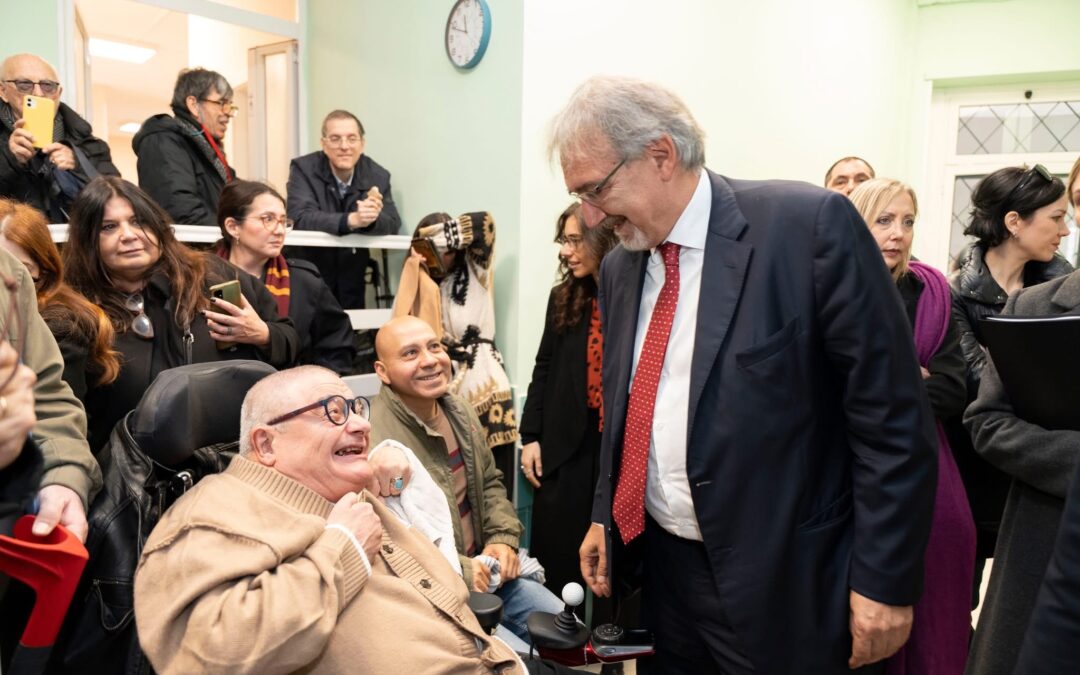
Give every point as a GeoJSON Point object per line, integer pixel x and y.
{"type": "Point", "coordinates": [39, 113]}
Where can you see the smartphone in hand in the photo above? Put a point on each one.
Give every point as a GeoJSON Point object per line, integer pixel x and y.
{"type": "Point", "coordinates": [39, 112]}
{"type": "Point", "coordinates": [228, 291]}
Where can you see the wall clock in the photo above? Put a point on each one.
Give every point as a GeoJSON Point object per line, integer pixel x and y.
{"type": "Point", "coordinates": [468, 30]}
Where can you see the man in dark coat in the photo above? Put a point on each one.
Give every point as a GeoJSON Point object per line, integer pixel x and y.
{"type": "Point", "coordinates": [340, 190]}
{"type": "Point", "coordinates": [47, 179]}
{"type": "Point", "coordinates": [771, 468]}
{"type": "Point", "coordinates": [182, 163]}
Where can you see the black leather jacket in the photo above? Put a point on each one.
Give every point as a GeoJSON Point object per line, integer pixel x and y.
{"type": "Point", "coordinates": [976, 296]}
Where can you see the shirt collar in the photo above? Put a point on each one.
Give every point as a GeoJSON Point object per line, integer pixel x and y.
{"type": "Point", "coordinates": [692, 227]}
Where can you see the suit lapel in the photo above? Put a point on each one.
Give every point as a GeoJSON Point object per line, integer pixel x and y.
{"type": "Point", "coordinates": [722, 277]}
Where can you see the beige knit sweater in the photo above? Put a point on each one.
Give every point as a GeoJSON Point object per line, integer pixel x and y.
{"type": "Point", "coordinates": [241, 576]}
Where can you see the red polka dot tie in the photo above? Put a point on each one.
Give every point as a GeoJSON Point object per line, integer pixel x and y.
{"type": "Point", "coordinates": [628, 508]}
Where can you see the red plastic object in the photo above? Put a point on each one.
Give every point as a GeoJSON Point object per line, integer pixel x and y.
{"type": "Point", "coordinates": [51, 566]}
{"type": "Point", "coordinates": [587, 656]}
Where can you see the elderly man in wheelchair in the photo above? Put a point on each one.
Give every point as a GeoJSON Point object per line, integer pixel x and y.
{"type": "Point", "coordinates": [289, 560]}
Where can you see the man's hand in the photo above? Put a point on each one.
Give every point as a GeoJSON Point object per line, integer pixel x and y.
{"type": "Point", "coordinates": [58, 504]}
{"type": "Point", "coordinates": [359, 518]}
{"type": "Point", "coordinates": [21, 144]}
{"type": "Point", "coordinates": [60, 155]}
{"type": "Point", "coordinates": [593, 556]}
{"type": "Point", "coordinates": [509, 565]}
{"type": "Point", "coordinates": [481, 576]}
{"type": "Point", "coordinates": [877, 630]}
{"type": "Point", "coordinates": [531, 465]}
{"type": "Point", "coordinates": [387, 465]}
{"type": "Point", "coordinates": [367, 212]}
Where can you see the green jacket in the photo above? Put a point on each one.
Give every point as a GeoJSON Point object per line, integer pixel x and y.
{"type": "Point", "coordinates": [494, 519]}
{"type": "Point", "coordinates": [60, 430]}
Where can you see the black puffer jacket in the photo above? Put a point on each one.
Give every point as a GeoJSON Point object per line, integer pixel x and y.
{"type": "Point", "coordinates": [976, 296]}
{"type": "Point", "coordinates": [174, 170]}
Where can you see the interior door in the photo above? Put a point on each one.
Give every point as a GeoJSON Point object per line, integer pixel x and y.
{"type": "Point", "coordinates": [273, 111]}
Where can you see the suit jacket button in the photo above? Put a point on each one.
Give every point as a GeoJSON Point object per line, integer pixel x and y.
{"type": "Point", "coordinates": [425, 584]}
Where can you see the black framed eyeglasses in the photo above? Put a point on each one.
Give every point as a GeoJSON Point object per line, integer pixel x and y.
{"type": "Point", "coordinates": [592, 195]}
{"type": "Point", "coordinates": [48, 87]}
{"type": "Point", "coordinates": [227, 107]}
{"type": "Point", "coordinates": [336, 408]}
{"type": "Point", "coordinates": [271, 222]}
{"type": "Point", "coordinates": [1037, 170]}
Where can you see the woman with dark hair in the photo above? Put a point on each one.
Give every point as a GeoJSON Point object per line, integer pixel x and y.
{"type": "Point", "coordinates": [253, 225]}
{"type": "Point", "coordinates": [1037, 461]}
{"type": "Point", "coordinates": [1018, 220]}
{"type": "Point", "coordinates": [122, 255]}
{"type": "Point", "coordinates": [942, 617]}
{"type": "Point", "coordinates": [467, 247]}
{"type": "Point", "coordinates": [563, 415]}
{"type": "Point", "coordinates": [82, 330]}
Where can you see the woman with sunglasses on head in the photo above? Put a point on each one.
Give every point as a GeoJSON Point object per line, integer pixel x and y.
{"type": "Point", "coordinates": [1038, 462]}
{"type": "Point", "coordinates": [942, 621]}
{"type": "Point", "coordinates": [122, 255]}
{"type": "Point", "coordinates": [253, 225]}
{"type": "Point", "coordinates": [1017, 221]}
{"type": "Point", "coordinates": [82, 330]}
{"type": "Point", "coordinates": [563, 415]}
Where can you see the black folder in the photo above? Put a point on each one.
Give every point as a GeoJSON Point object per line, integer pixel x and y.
{"type": "Point", "coordinates": [1036, 358]}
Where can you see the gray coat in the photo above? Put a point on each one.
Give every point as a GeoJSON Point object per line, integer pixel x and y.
{"type": "Point", "coordinates": [1040, 461]}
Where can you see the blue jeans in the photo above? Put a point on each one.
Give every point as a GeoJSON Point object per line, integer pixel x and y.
{"type": "Point", "coordinates": [521, 597]}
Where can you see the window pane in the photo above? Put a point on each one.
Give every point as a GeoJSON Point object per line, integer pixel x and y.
{"type": "Point", "coordinates": [1051, 126]}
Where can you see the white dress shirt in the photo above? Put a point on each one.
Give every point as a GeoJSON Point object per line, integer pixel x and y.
{"type": "Point", "coordinates": [667, 489]}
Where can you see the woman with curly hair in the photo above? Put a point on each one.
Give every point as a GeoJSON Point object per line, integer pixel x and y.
{"type": "Point", "coordinates": [563, 416]}
{"type": "Point", "coordinates": [82, 330]}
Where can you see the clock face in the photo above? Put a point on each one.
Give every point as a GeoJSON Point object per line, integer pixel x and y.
{"type": "Point", "coordinates": [467, 32]}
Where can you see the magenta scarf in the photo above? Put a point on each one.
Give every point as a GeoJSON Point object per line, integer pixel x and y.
{"type": "Point", "coordinates": [932, 313]}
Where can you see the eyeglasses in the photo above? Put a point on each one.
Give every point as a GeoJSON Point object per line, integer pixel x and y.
{"type": "Point", "coordinates": [572, 240]}
{"type": "Point", "coordinates": [48, 87]}
{"type": "Point", "coordinates": [592, 195]}
{"type": "Point", "coordinates": [338, 140]}
{"type": "Point", "coordinates": [141, 324]}
{"type": "Point", "coordinates": [14, 328]}
{"type": "Point", "coordinates": [1037, 170]}
{"type": "Point", "coordinates": [271, 222]}
{"type": "Point", "coordinates": [336, 408]}
{"type": "Point", "coordinates": [226, 106]}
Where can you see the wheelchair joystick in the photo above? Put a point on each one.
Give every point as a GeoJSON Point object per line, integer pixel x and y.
{"type": "Point", "coordinates": [560, 631]}
{"type": "Point", "coordinates": [572, 596]}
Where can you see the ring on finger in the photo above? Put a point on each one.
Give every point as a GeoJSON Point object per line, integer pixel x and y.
{"type": "Point", "coordinates": [397, 483]}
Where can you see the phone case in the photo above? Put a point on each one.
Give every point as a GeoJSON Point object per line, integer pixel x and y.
{"type": "Point", "coordinates": [228, 291]}
{"type": "Point", "coordinates": [39, 113]}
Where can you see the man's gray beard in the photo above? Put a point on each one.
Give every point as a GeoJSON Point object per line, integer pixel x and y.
{"type": "Point", "coordinates": [631, 238]}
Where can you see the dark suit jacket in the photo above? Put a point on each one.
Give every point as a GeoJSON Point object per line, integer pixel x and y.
{"type": "Point", "coordinates": [556, 412]}
{"type": "Point", "coordinates": [315, 204]}
{"type": "Point", "coordinates": [1054, 631]}
{"type": "Point", "coordinates": [811, 454]}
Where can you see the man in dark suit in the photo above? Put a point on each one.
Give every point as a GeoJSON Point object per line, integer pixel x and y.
{"type": "Point", "coordinates": [340, 190]}
{"type": "Point", "coordinates": [768, 461]}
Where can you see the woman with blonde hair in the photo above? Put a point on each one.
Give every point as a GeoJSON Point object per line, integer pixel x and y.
{"type": "Point", "coordinates": [942, 623]}
{"type": "Point", "coordinates": [81, 328]}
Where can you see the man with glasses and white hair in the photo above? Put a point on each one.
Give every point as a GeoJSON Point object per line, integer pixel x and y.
{"type": "Point", "coordinates": [47, 179]}
{"type": "Point", "coordinates": [289, 561]}
{"type": "Point", "coordinates": [340, 190]}
{"type": "Point", "coordinates": [182, 162]}
{"type": "Point", "coordinates": [768, 459]}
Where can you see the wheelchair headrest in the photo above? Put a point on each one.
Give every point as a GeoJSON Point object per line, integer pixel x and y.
{"type": "Point", "coordinates": [191, 407]}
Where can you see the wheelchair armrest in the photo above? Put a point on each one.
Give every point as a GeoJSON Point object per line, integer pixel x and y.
{"type": "Point", "coordinates": [488, 609]}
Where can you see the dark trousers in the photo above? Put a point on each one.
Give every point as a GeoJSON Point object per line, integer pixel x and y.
{"type": "Point", "coordinates": [343, 270]}
{"type": "Point", "coordinates": [683, 609]}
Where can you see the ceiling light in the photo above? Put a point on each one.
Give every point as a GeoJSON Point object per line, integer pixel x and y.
{"type": "Point", "coordinates": [129, 128]}
{"type": "Point", "coordinates": [120, 51]}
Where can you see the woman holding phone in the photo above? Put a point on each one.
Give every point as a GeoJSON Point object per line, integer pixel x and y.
{"type": "Point", "coordinates": [122, 255]}
{"type": "Point", "coordinates": [253, 225]}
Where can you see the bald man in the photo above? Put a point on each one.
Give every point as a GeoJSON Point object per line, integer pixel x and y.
{"type": "Point", "coordinates": [415, 409]}
{"type": "Point", "coordinates": [48, 178]}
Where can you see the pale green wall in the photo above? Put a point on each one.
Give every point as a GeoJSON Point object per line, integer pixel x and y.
{"type": "Point", "coordinates": [30, 27]}
{"type": "Point", "coordinates": [451, 139]}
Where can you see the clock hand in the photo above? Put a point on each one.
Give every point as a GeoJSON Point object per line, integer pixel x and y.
{"type": "Point", "coordinates": [454, 27]}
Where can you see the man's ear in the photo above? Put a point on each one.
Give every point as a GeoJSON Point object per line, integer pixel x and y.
{"type": "Point", "coordinates": [663, 154]}
{"type": "Point", "coordinates": [193, 106]}
{"type": "Point", "coordinates": [384, 375]}
{"type": "Point", "coordinates": [262, 446]}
